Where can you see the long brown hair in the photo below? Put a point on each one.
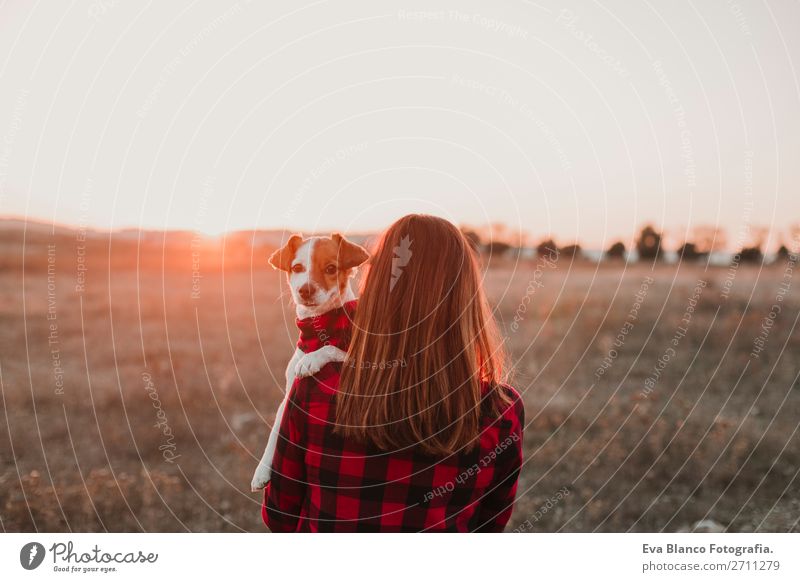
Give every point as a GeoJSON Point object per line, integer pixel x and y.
{"type": "Point", "coordinates": [424, 346]}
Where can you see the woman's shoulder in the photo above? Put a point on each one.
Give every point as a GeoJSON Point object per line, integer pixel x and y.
{"type": "Point", "coordinates": [507, 404]}
{"type": "Point", "coordinates": [510, 392]}
{"type": "Point", "coordinates": [516, 409]}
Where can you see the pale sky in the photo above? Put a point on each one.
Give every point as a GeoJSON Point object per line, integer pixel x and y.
{"type": "Point", "coordinates": [584, 122]}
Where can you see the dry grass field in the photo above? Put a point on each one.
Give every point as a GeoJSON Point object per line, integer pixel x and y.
{"type": "Point", "coordinates": [131, 405]}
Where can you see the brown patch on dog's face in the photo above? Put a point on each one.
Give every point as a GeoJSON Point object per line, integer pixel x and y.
{"type": "Point", "coordinates": [325, 272]}
{"type": "Point", "coordinates": [283, 257]}
{"type": "Point", "coordinates": [333, 260]}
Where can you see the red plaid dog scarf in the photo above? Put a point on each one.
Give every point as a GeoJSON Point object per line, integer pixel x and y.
{"type": "Point", "coordinates": [332, 328]}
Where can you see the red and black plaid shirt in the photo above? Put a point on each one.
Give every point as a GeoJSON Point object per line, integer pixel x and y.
{"type": "Point", "coordinates": [320, 482]}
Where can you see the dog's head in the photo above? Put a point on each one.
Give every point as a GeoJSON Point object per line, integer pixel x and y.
{"type": "Point", "coordinates": [318, 269]}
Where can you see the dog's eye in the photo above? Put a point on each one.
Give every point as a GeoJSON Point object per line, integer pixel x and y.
{"type": "Point", "coordinates": [331, 269]}
{"type": "Point", "coordinates": [298, 268]}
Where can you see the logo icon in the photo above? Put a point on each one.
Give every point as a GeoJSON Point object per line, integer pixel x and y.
{"type": "Point", "coordinates": [31, 555]}
{"type": "Point", "coordinates": [402, 255]}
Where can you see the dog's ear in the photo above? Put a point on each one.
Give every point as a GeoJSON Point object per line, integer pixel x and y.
{"type": "Point", "coordinates": [350, 254]}
{"type": "Point", "coordinates": [282, 258]}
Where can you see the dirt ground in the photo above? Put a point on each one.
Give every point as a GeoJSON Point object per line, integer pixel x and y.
{"type": "Point", "coordinates": [141, 401]}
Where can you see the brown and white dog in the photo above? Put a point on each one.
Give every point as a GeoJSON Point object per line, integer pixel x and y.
{"type": "Point", "coordinates": [318, 270]}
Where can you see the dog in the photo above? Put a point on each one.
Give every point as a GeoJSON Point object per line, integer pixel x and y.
{"type": "Point", "coordinates": [318, 270]}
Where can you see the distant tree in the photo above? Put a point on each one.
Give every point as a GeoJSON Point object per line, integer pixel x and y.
{"type": "Point", "coordinates": [688, 251]}
{"type": "Point", "coordinates": [751, 255]}
{"type": "Point", "coordinates": [784, 254]}
{"type": "Point", "coordinates": [498, 231]}
{"type": "Point", "coordinates": [497, 248]}
{"type": "Point", "coordinates": [616, 251]}
{"type": "Point", "coordinates": [572, 251]}
{"type": "Point", "coordinates": [649, 244]}
{"type": "Point", "coordinates": [547, 248]}
{"type": "Point", "coordinates": [709, 238]}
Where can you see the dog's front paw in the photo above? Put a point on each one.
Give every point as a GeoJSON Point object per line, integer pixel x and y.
{"type": "Point", "coordinates": [260, 478]}
{"type": "Point", "coordinates": [309, 365]}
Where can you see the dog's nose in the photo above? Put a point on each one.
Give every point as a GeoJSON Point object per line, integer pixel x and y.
{"type": "Point", "coordinates": [306, 291]}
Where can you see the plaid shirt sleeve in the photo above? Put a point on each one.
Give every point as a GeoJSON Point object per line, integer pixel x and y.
{"type": "Point", "coordinates": [497, 504]}
{"type": "Point", "coordinates": [286, 491]}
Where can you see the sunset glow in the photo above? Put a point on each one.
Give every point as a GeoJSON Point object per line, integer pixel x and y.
{"type": "Point", "coordinates": [569, 126]}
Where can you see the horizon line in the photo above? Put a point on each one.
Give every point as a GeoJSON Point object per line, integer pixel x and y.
{"type": "Point", "coordinates": [629, 241]}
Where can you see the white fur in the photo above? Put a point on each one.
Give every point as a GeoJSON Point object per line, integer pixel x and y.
{"type": "Point", "coordinates": [296, 280]}
{"type": "Point", "coordinates": [264, 469]}
{"type": "Point", "coordinates": [301, 364]}
{"type": "Point", "coordinates": [310, 364]}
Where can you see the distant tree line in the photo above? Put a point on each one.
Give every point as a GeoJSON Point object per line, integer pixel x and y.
{"type": "Point", "coordinates": [648, 246]}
